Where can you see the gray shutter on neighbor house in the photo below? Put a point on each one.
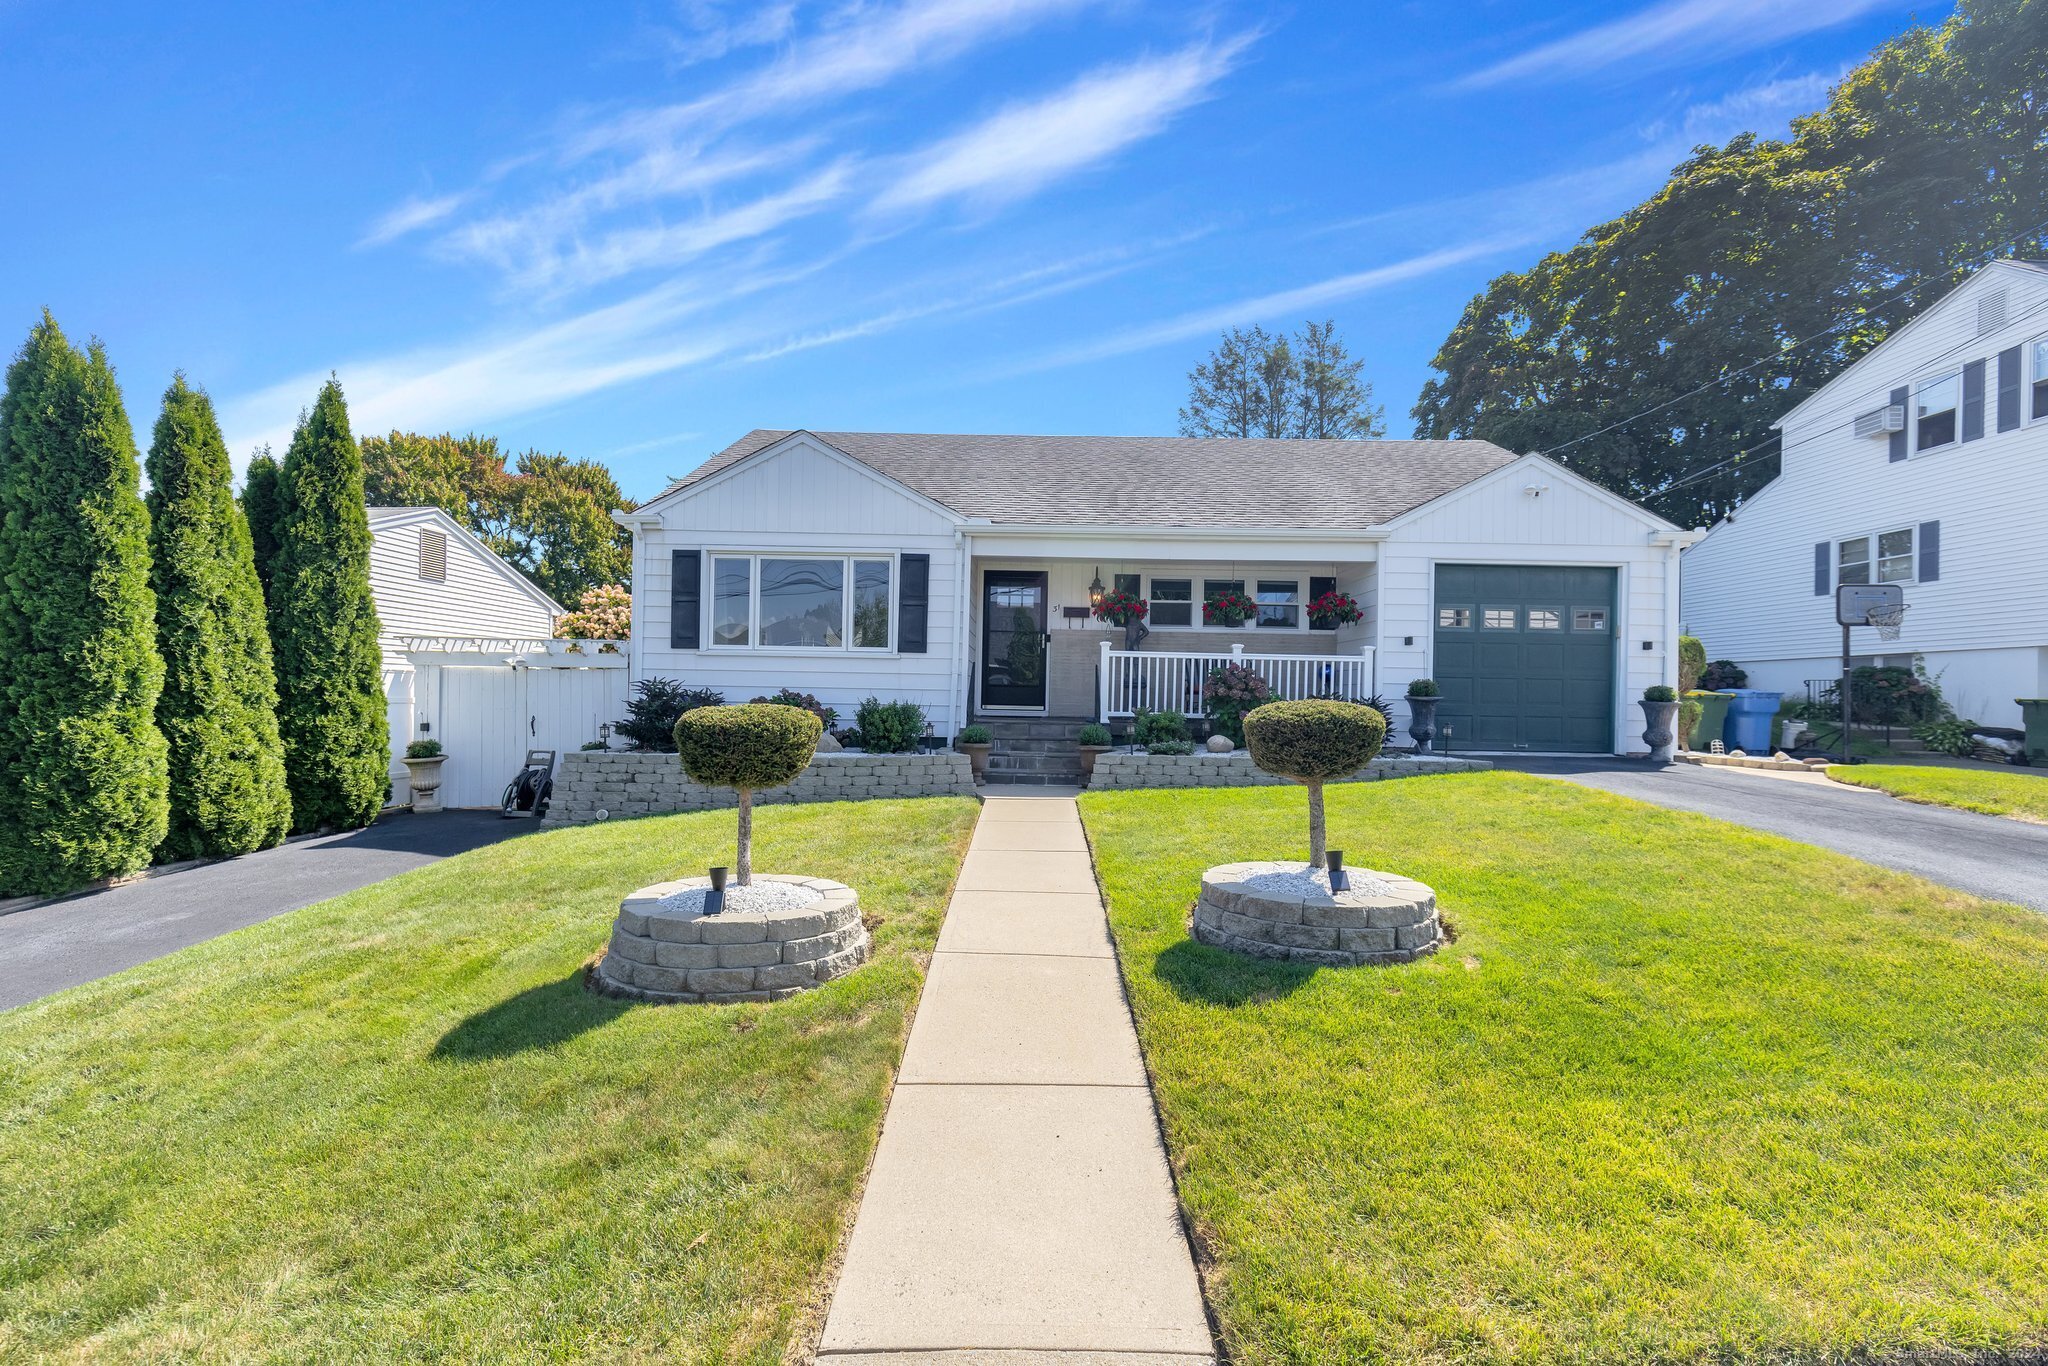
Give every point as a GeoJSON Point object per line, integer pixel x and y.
{"type": "Point", "coordinates": [1973, 401]}
{"type": "Point", "coordinates": [1930, 551]}
{"type": "Point", "coordinates": [1900, 446]}
{"type": "Point", "coordinates": [1319, 584]}
{"type": "Point", "coordinates": [1823, 568]}
{"type": "Point", "coordinates": [685, 596]}
{"type": "Point", "coordinates": [2008, 389]}
{"type": "Point", "coordinates": [913, 604]}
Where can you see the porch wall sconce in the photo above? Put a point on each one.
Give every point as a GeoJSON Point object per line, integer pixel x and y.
{"type": "Point", "coordinates": [1095, 588]}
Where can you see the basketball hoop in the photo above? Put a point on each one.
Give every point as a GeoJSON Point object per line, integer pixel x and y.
{"type": "Point", "coordinates": [1888, 621]}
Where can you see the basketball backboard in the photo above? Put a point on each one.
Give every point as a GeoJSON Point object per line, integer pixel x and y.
{"type": "Point", "coordinates": [1854, 602]}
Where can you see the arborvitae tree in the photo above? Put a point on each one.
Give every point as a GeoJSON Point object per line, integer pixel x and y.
{"type": "Point", "coordinates": [323, 627]}
{"type": "Point", "coordinates": [262, 509]}
{"type": "Point", "coordinates": [82, 766]}
{"type": "Point", "coordinates": [219, 705]}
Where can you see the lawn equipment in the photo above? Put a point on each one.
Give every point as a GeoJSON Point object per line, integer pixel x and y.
{"type": "Point", "coordinates": [527, 796]}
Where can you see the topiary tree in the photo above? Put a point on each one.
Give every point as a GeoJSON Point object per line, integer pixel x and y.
{"type": "Point", "coordinates": [1692, 663]}
{"type": "Point", "coordinates": [83, 775]}
{"type": "Point", "coordinates": [748, 747]}
{"type": "Point", "coordinates": [263, 509]}
{"type": "Point", "coordinates": [323, 628]}
{"type": "Point", "coordinates": [218, 711]}
{"type": "Point", "coordinates": [1313, 742]}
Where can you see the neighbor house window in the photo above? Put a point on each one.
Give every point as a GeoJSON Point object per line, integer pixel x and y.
{"type": "Point", "coordinates": [1454, 618]}
{"type": "Point", "coordinates": [1934, 412]}
{"type": "Point", "coordinates": [2040, 405]}
{"type": "Point", "coordinates": [1499, 618]}
{"type": "Point", "coordinates": [801, 602]}
{"type": "Point", "coordinates": [1895, 556]}
{"type": "Point", "coordinates": [1545, 619]}
{"type": "Point", "coordinates": [1280, 604]}
{"type": "Point", "coordinates": [1893, 562]}
{"type": "Point", "coordinates": [1852, 561]}
{"type": "Point", "coordinates": [1173, 602]}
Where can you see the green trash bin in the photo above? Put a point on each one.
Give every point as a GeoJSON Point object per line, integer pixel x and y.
{"type": "Point", "coordinates": [2034, 714]}
{"type": "Point", "coordinates": [1713, 713]}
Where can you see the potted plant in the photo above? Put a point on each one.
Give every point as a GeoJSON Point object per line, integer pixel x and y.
{"type": "Point", "coordinates": [1333, 609]}
{"type": "Point", "coordinates": [1660, 712]}
{"type": "Point", "coordinates": [1228, 609]}
{"type": "Point", "coordinates": [1423, 695]}
{"type": "Point", "coordinates": [423, 760]}
{"type": "Point", "coordinates": [1094, 741]}
{"type": "Point", "coordinates": [975, 742]}
{"type": "Point", "coordinates": [1120, 608]}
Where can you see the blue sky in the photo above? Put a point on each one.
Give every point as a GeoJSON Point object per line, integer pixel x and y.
{"type": "Point", "coordinates": [635, 232]}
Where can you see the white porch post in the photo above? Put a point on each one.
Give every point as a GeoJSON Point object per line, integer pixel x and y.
{"type": "Point", "coordinates": [1102, 683]}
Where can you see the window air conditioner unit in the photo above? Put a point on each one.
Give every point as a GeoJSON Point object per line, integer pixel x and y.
{"type": "Point", "coordinates": [1883, 421]}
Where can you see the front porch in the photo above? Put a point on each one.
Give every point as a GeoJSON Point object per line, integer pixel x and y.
{"type": "Point", "coordinates": [1130, 681]}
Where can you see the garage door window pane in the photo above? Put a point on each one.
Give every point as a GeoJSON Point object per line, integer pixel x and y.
{"type": "Point", "coordinates": [803, 603]}
{"type": "Point", "coordinates": [1589, 618]}
{"type": "Point", "coordinates": [1499, 618]}
{"type": "Point", "coordinates": [730, 582]}
{"type": "Point", "coordinates": [1545, 619]}
{"type": "Point", "coordinates": [1454, 618]}
{"type": "Point", "coordinates": [870, 604]}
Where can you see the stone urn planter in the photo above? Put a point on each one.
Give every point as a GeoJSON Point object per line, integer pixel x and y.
{"type": "Point", "coordinates": [977, 755]}
{"type": "Point", "coordinates": [1422, 722]}
{"type": "Point", "coordinates": [423, 774]}
{"type": "Point", "coordinates": [1659, 729]}
{"type": "Point", "coordinates": [1088, 755]}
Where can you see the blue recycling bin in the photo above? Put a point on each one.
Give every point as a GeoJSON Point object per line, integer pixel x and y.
{"type": "Point", "coordinates": [1748, 727]}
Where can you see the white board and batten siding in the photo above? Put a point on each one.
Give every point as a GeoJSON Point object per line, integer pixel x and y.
{"type": "Point", "coordinates": [1759, 588]}
{"type": "Point", "coordinates": [1534, 512]}
{"type": "Point", "coordinates": [801, 498]}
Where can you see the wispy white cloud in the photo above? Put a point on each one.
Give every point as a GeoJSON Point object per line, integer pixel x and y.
{"type": "Point", "coordinates": [1675, 32]}
{"type": "Point", "coordinates": [1283, 304]}
{"type": "Point", "coordinates": [1765, 108]}
{"type": "Point", "coordinates": [709, 30]}
{"type": "Point", "coordinates": [410, 217]}
{"type": "Point", "coordinates": [1022, 148]}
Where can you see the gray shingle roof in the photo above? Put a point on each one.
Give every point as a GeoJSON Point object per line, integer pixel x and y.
{"type": "Point", "coordinates": [1160, 481]}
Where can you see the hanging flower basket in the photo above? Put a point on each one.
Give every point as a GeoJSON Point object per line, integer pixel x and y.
{"type": "Point", "coordinates": [1228, 609]}
{"type": "Point", "coordinates": [1334, 609]}
{"type": "Point", "coordinates": [1119, 608]}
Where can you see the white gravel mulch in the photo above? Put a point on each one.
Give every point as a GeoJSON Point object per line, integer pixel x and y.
{"type": "Point", "coordinates": [760, 896]}
{"type": "Point", "coordinates": [1316, 882]}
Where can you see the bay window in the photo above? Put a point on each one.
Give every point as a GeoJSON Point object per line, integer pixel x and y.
{"type": "Point", "coordinates": [801, 602]}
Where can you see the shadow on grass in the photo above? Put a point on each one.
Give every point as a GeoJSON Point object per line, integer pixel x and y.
{"type": "Point", "coordinates": [539, 1017]}
{"type": "Point", "coordinates": [1196, 972]}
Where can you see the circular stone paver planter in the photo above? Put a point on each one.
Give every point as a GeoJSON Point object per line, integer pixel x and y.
{"type": "Point", "coordinates": [1273, 910]}
{"type": "Point", "coordinates": [679, 955]}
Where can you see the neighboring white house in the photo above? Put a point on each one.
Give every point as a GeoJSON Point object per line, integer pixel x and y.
{"type": "Point", "coordinates": [956, 572]}
{"type": "Point", "coordinates": [1924, 464]}
{"type": "Point", "coordinates": [468, 658]}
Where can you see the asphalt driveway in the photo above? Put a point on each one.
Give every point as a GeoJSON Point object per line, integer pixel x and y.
{"type": "Point", "coordinates": [1992, 856]}
{"type": "Point", "coordinates": [47, 948]}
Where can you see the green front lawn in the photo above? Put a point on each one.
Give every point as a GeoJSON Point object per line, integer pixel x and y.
{"type": "Point", "coordinates": [396, 1126]}
{"type": "Point", "coordinates": [1994, 791]}
{"type": "Point", "coordinates": [1679, 1090]}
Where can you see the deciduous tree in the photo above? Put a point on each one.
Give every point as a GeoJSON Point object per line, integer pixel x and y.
{"type": "Point", "coordinates": [1257, 384]}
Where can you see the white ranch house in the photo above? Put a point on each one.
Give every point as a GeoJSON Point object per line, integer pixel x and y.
{"type": "Point", "coordinates": [1924, 464]}
{"type": "Point", "coordinates": [956, 572]}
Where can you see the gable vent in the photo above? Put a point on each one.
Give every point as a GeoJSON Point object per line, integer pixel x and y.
{"type": "Point", "coordinates": [1991, 312]}
{"type": "Point", "coordinates": [434, 555]}
{"type": "Point", "coordinates": [1882, 421]}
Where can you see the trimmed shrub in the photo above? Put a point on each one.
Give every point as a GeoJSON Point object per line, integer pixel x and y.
{"type": "Point", "coordinates": [974, 735]}
{"type": "Point", "coordinates": [1722, 675]}
{"type": "Point", "coordinates": [323, 629]}
{"type": "Point", "coordinates": [83, 768]}
{"type": "Point", "coordinates": [1312, 742]}
{"type": "Point", "coordinates": [1660, 692]}
{"type": "Point", "coordinates": [428, 749]}
{"type": "Point", "coordinates": [218, 711]}
{"type": "Point", "coordinates": [1423, 687]}
{"type": "Point", "coordinates": [889, 727]}
{"type": "Point", "coordinates": [1150, 728]}
{"type": "Point", "coordinates": [1692, 663]}
{"type": "Point", "coordinates": [1094, 735]}
{"type": "Point", "coordinates": [757, 745]}
{"type": "Point", "coordinates": [655, 707]}
{"type": "Point", "coordinates": [263, 509]}
{"type": "Point", "coordinates": [1171, 747]}
{"type": "Point", "coordinates": [790, 697]}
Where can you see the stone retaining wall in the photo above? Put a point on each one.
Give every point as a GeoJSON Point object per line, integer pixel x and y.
{"type": "Point", "coordinates": [1385, 919]}
{"type": "Point", "coordinates": [593, 785]}
{"type": "Point", "coordinates": [1235, 769]}
{"type": "Point", "coordinates": [676, 957]}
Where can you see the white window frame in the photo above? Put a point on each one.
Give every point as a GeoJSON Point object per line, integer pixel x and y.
{"type": "Point", "coordinates": [1876, 539]}
{"type": "Point", "coordinates": [846, 558]}
{"type": "Point", "coordinates": [1197, 581]}
{"type": "Point", "coordinates": [1194, 601]}
{"type": "Point", "coordinates": [1957, 411]}
{"type": "Point", "coordinates": [2033, 371]}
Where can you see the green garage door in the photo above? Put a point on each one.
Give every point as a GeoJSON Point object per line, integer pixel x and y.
{"type": "Point", "coordinates": [1525, 657]}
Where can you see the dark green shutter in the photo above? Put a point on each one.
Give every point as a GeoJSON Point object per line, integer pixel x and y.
{"type": "Point", "coordinates": [685, 596]}
{"type": "Point", "coordinates": [1930, 551]}
{"type": "Point", "coordinates": [913, 604]}
{"type": "Point", "coordinates": [2008, 389]}
{"type": "Point", "coordinates": [1899, 449]}
{"type": "Point", "coordinates": [1973, 401]}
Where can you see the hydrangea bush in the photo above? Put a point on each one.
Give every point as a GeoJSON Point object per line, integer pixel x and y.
{"type": "Point", "coordinates": [1230, 692]}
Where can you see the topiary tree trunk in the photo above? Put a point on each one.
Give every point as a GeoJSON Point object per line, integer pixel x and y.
{"type": "Point", "coordinates": [743, 865]}
{"type": "Point", "coordinates": [1318, 832]}
{"type": "Point", "coordinates": [218, 711]}
{"type": "Point", "coordinates": [323, 628]}
{"type": "Point", "coordinates": [83, 772]}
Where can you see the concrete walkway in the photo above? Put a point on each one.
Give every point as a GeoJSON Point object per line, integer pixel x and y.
{"type": "Point", "coordinates": [1020, 1208]}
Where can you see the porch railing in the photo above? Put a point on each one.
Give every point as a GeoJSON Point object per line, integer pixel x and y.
{"type": "Point", "coordinates": [1171, 680]}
